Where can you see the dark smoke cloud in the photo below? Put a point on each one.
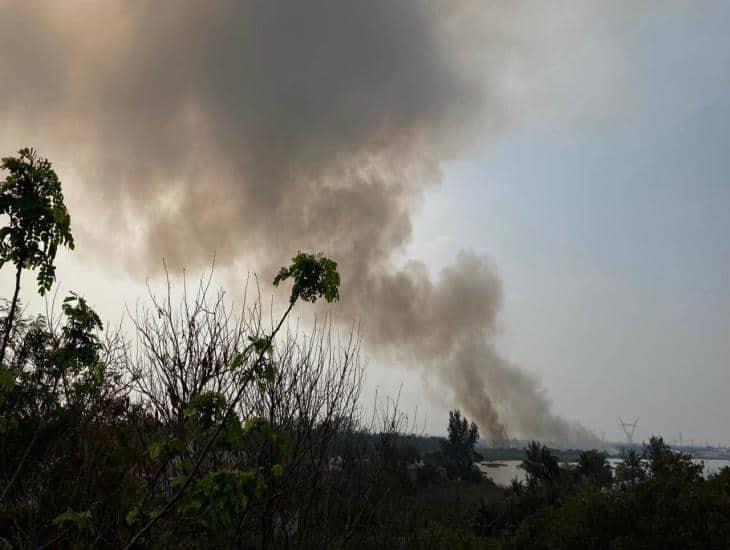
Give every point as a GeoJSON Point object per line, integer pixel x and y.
{"type": "Point", "coordinates": [253, 129]}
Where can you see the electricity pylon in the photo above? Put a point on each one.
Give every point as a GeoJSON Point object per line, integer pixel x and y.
{"type": "Point", "coordinates": [629, 428]}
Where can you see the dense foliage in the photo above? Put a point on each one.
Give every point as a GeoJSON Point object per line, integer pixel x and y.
{"type": "Point", "coordinates": [458, 449]}
{"type": "Point", "coordinates": [665, 503]}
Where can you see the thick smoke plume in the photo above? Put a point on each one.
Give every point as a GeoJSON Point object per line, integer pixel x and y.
{"type": "Point", "coordinates": [253, 129]}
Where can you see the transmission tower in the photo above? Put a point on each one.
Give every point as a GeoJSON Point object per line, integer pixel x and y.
{"type": "Point", "coordinates": [629, 428]}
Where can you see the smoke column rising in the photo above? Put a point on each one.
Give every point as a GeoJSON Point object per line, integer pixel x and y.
{"type": "Point", "coordinates": [253, 129]}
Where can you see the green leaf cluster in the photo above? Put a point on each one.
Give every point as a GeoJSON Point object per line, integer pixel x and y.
{"type": "Point", "coordinates": [315, 276]}
{"type": "Point", "coordinates": [80, 521]}
{"type": "Point", "coordinates": [39, 223]}
{"type": "Point", "coordinates": [217, 499]}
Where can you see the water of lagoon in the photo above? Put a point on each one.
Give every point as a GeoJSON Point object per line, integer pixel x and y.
{"type": "Point", "coordinates": [503, 472]}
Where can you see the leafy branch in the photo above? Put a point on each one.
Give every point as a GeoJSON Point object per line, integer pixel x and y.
{"type": "Point", "coordinates": [315, 276]}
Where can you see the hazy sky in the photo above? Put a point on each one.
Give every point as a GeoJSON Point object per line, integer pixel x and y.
{"type": "Point", "coordinates": [611, 236]}
{"type": "Point", "coordinates": [599, 195]}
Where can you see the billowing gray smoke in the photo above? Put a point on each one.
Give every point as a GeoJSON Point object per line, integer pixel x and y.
{"type": "Point", "coordinates": [253, 129]}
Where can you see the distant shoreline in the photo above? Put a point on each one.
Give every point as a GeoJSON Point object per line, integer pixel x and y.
{"type": "Point", "coordinates": [501, 454]}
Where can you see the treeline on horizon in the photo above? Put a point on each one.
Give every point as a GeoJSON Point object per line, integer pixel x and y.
{"type": "Point", "coordinates": [206, 427]}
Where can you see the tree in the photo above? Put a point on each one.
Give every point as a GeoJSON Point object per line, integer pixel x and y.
{"type": "Point", "coordinates": [540, 464]}
{"type": "Point", "coordinates": [38, 224]}
{"type": "Point", "coordinates": [65, 388]}
{"type": "Point", "coordinates": [663, 462]}
{"type": "Point", "coordinates": [630, 469]}
{"type": "Point", "coordinates": [297, 422]}
{"type": "Point", "coordinates": [458, 449]}
{"type": "Point", "coordinates": [593, 465]}
{"type": "Point", "coordinates": [314, 277]}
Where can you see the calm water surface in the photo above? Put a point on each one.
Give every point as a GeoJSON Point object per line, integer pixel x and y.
{"type": "Point", "coordinates": [504, 474]}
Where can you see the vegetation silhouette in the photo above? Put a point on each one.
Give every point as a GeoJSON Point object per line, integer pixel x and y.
{"type": "Point", "coordinates": [458, 449]}
{"type": "Point", "coordinates": [38, 223]}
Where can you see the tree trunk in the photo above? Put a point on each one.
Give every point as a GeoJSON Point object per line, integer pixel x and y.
{"type": "Point", "coordinates": [11, 313]}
